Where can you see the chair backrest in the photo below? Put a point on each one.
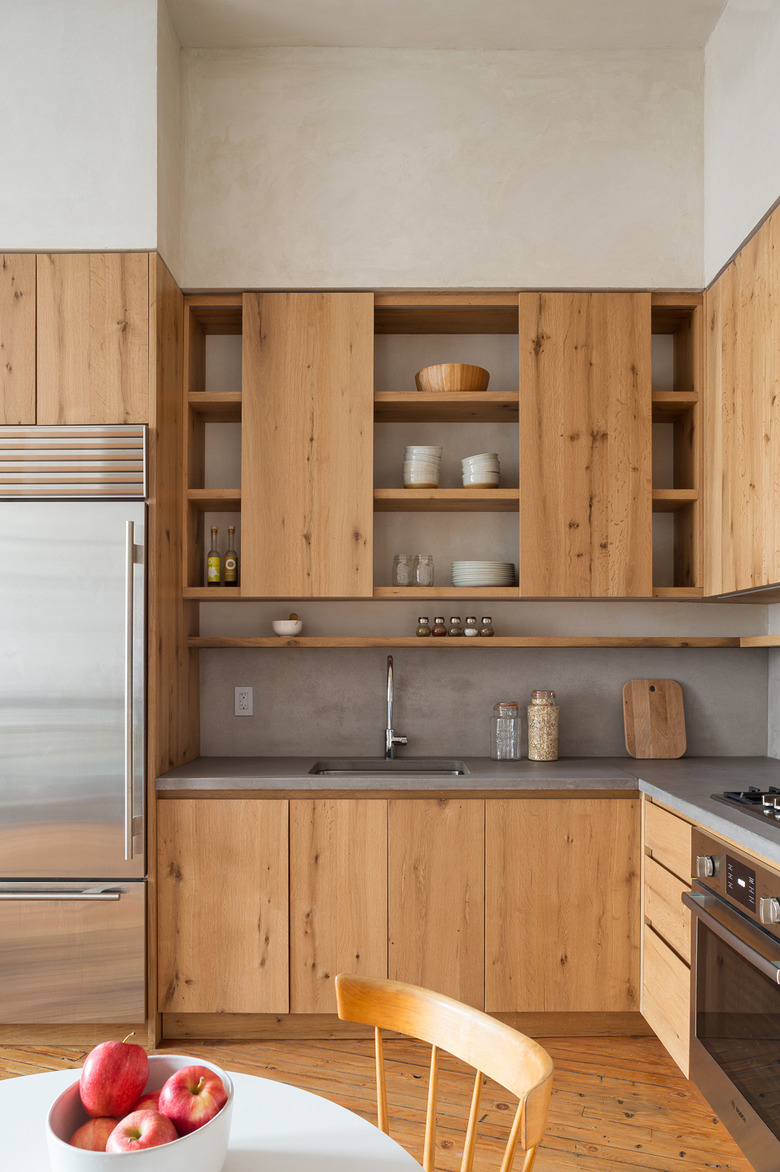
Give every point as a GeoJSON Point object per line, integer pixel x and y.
{"type": "Point", "coordinates": [495, 1050]}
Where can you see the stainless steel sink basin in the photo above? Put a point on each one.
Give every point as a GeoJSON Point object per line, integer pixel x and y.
{"type": "Point", "coordinates": [427, 766]}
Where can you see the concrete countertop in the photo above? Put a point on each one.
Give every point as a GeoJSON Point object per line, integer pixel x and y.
{"type": "Point", "coordinates": [684, 785]}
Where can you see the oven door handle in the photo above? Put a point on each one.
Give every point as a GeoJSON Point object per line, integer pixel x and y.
{"type": "Point", "coordinates": [752, 945]}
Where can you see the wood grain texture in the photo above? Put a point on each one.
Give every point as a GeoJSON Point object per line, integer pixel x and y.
{"type": "Point", "coordinates": [654, 718]}
{"type": "Point", "coordinates": [585, 444]}
{"type": "Point", "coordinates": [742, 418]}
{"type": "Point", "coordinates": [93, 337]}
{"type": "Point", "coordinates": [664, 909]}
{"type": "Point", "coordinates": [666, 995]}
{"type": "Point", "coordinates": [17, 338]}
{"type": "Point", "coordinates": [436, 896]}
{"type": "Point", "coordinates": [667, 839]}
{"type": "Point", "coordinates": [338, 897]}
{"type": "Point", "coordinates": [223, 906]}
{"type": "Point", "coordinates": [307, 445]}
{"type": "Point", "coordinates": [561, 905]}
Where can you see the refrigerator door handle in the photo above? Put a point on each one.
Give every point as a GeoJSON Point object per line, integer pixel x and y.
{"type": "Point", "coordinates": [129, 764]}
{"type": "Point", "coordinates": [89, 893]}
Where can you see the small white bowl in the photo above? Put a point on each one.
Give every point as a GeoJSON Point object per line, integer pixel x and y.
{"type": "Point", "coordinates": [480, 456]}
{"type": "Point", "coordinates": [287, 626]}
{"type": "Point", "coordinates": [420, 466]}
{"type": "Point", "coordinates": [481, 480]}
{"type": "Point", "coordinates": [204, 1149]}
{"type": "Point", "coordinates": [425, 449]}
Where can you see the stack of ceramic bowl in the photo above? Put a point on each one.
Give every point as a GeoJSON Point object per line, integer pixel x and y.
{"type": "Point", "coordinates": [422, 466]}
{"type": "Point", "coordinates": [481, 471]}
{"type": "Point", "coordinates": [483, 574]}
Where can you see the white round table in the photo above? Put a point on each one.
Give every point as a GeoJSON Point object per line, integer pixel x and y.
{"type": "Point", "coordinates": [275, 1126]}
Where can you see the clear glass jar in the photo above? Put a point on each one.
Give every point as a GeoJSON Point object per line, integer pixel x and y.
{"type": "Point", "coordinates": [455, 628]}
{"type": "Point", "coordinates": [486, 627]}
{"type": "Point", "coordinates": [471, 629]}
{"type": "Point", "coordinates": [403, 574]}
{"type": "Point", "coordinates": [423, 569]}
{"type": "Point", "coordinates": [423, 630]}
{"type": "Point", "coordinates": [542, 727]}
{"type": "Point", "coordinates": [439, 627]}
{"type": "Point", "coordinates": [505, 732]}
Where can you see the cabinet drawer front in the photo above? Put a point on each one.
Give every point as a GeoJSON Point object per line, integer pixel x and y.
{"type": "Point", "coordinates": [666, 997]}
{"type": "Point", "coordinates": [668, 840]}
{"type": "Point", "coordinates": [664, 908]}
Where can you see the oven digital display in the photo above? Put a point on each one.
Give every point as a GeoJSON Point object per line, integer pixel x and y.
{"type": "Point", "coordinates": [741, 883]}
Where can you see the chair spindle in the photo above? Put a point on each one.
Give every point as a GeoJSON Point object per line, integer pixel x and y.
{"type": "Point", "coordinates": [381, 1088]}
{"type": "Point", "coordinates": [470, 1142]}
{"type": "Point", "coordinates": [429, 1152]}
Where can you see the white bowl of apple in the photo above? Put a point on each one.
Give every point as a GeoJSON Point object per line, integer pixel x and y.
{"type": "Point", "coordinates": [155, 1113]}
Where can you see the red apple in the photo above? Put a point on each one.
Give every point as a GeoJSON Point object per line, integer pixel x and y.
{"type": "Point", "coordinates": [191, 1097]}
{"type": "Point", "coordinates": [113, 1076]}
{"type": "Point", "coordinates": [142, 1129]}
{"type": "Point", "coordinates": [149, 1101]}
{"type": "Point", "coordinates": [93, 1134]}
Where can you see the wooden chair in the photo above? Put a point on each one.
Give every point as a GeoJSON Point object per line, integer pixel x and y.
{"type": "Point", "coordinates": [518, 1063]}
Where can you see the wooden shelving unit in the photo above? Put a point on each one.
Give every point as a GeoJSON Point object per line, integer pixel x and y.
{"type": "Point", "coordinates": [680, 315]}
{"type": "Point", "coordinates": [204, 315]}
{"type": "Point", "coordinates": [274, 642]}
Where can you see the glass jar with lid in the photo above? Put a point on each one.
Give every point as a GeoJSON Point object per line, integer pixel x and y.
{"type": "Point", "coordinates": [471, 628]}
{"type": "Point", "coordinates": [542, 727]}
{"type": "Point", "coordinates": [423, 569]}
{"type": "Point", "coordinates": [423, 629]}
{"type": "Point", "coordinates": [402, 570]}
{"type": "Point", "coordinates": [486, 627]}
{"type": "Point", "coordinates": [455, 628]}
{"type": "Point", "coordinates": [439, 627]}
{"type": "Point", "coordinates": [505, 731]}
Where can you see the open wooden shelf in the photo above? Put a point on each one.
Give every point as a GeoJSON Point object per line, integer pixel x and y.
{"type": "Point", "coordinates": [216, 406]}
{"type": "Point", "coordinates": [445, 313]}
{"type": "Point", "coordinates": [434, 592]}
{"type": "Point", "coordinates": [453, 407]}
{"type": "Point", "coordinates": [215, 500]}
{"type": "Point", "coordinates": [760, 641]}
{"type": "Point", "coordinates": [678, 593]}
{"type": "Point", "coordinates": [668, 406]}
{"type": "Point", "coordinates": [669, 500]}
{"type": "Point", "coordinates": [446, 500]}
{"type": "Point", "coordinates": [314, 641]}
{"type": "Point", "coordinates": [212, 593]}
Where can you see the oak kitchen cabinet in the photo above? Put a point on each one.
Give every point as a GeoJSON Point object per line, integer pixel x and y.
{"type": "Point", "coordinates": [307, 445]}
{"type": "Point", "coordinates": [92, 338]}
{"type": "Point", "coordinates": [17, 338]}
{"type": "Point", "coordinates": [517, 905]}
{"type": "Point", "coordinates": [562, 904]}
{"type": "Point", "coordinates": [742, 419]}
{"type": "Point", "coordinates": [586, 442]}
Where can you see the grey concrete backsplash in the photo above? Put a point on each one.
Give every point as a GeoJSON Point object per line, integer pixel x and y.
{"type": "Point", "coordinates": [333, 701]}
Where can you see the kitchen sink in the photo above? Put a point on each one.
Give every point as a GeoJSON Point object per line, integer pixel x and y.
{"type": "Point", "coordinates": [427, 766]}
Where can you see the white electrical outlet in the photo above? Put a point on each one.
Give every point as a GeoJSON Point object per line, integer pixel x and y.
{"type": "Point", "coordinates": [244, 705]}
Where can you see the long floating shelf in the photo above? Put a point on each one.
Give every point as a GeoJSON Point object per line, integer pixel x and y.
{"type": "Point", "coordinates": [760, 641]}
{"type": "Point", "coordinates": [274, 641]}
{"type": "Point", "coordinates": [446, 500]}
{"type": "Point", "coordinates": [454, 407]}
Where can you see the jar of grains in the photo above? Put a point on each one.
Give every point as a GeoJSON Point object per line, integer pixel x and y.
{"type": "Point", "coordinates": [543, 727]}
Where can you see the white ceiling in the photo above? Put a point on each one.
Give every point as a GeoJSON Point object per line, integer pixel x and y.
{"type": "Point", "coordinates": [446, 24]}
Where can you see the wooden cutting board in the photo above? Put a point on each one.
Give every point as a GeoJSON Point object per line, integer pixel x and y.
{"type": "Point", "coordinates": [653, 718]}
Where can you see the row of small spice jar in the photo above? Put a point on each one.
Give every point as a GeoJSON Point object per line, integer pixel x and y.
{"type": "Point", "coordinates": [454, 629]}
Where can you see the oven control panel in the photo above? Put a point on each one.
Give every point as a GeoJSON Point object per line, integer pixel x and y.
{"type": "Point", "coordinates": [744, 882]}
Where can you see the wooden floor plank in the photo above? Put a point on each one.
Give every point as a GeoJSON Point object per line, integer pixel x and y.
{"type": "Point", "coordinates": [618, 1104]}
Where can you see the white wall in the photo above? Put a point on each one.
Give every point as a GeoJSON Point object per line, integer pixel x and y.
{"type": "Point", "coordinates": [396, 168]}
{"type": "Point", "coordinates": [169, 141]}
{"type": "Point", "coordinates": [741, 126]}
{"type": "Point", "coordinates": [78, 135]}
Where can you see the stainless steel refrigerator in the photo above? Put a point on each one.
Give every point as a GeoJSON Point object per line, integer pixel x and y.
{"type": "Point", "coordinates": [72, 717]}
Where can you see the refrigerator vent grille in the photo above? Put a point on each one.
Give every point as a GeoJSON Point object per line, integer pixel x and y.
{"type": "Point", "coordinates": [63, 462]}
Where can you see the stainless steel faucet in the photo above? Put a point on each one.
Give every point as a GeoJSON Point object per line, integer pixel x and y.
{"type": "Point", "coordinates": [391, 740]}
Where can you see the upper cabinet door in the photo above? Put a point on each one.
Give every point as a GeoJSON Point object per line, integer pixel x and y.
{"type": "Point", "coordinates": [585, 445]}
{"type": "Point", "coordinates": [17, 338]}
{"type": "Point", "coordinates": [93, 338]}
{"type": "Point", "coordinates": [307, 445]}
{"type": "Point", "coordinates": [742, 419]}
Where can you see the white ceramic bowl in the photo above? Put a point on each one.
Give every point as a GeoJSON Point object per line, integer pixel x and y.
{"type": "Point", "coordinates": [425, 449]}
{"type": "Point", "coordinates": [481, 480]}
{"type": "Point", "coordinates": [482, 466]}
{"type": "Point", "coordinates": [287, 626]}
{"type": "Point", "coordinates": [420, 466]}
{"type": "Point", "coordinates": [423, 480]}
{"type": "Point", "coordinates": [204, 1150]}
{"type": "Point", "coordinates": [489, 457]}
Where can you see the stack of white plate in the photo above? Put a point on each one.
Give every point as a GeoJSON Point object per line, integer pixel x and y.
{"type": "Point", "coordinates": [483, 574]}
{"type": "Point", "coordinates": [422, 466]}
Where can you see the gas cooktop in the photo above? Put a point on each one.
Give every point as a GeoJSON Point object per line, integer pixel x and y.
{"type": "Point", "coordinates": [764, 804]}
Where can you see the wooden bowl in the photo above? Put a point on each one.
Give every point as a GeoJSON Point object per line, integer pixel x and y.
{"type": "Point", "coordinates": [452, 376]}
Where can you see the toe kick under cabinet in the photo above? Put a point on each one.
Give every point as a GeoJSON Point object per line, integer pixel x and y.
{"type": "Point", "coordinates": [525, 906]}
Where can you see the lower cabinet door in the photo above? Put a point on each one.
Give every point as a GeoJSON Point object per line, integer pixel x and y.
{"type": "Point", "coordinates": [436, 883]}
{"type": "Point", "coordinates": [666, 997]}
{"type": "Point", "coordinates": [338, 897]}
{"type": "Point", "coordinates": [562, 905]}
{"type": "Point", "coordinates": [222, 906]}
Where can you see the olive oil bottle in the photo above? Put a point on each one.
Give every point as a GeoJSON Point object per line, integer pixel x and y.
{"type": "Point", "coordinates": [231, 558]}
{"type": "Point", "coordinates": [213, 561]}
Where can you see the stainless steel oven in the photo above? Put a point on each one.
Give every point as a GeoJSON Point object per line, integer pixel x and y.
{"type": "Point", "coordinates": [735, 995]}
